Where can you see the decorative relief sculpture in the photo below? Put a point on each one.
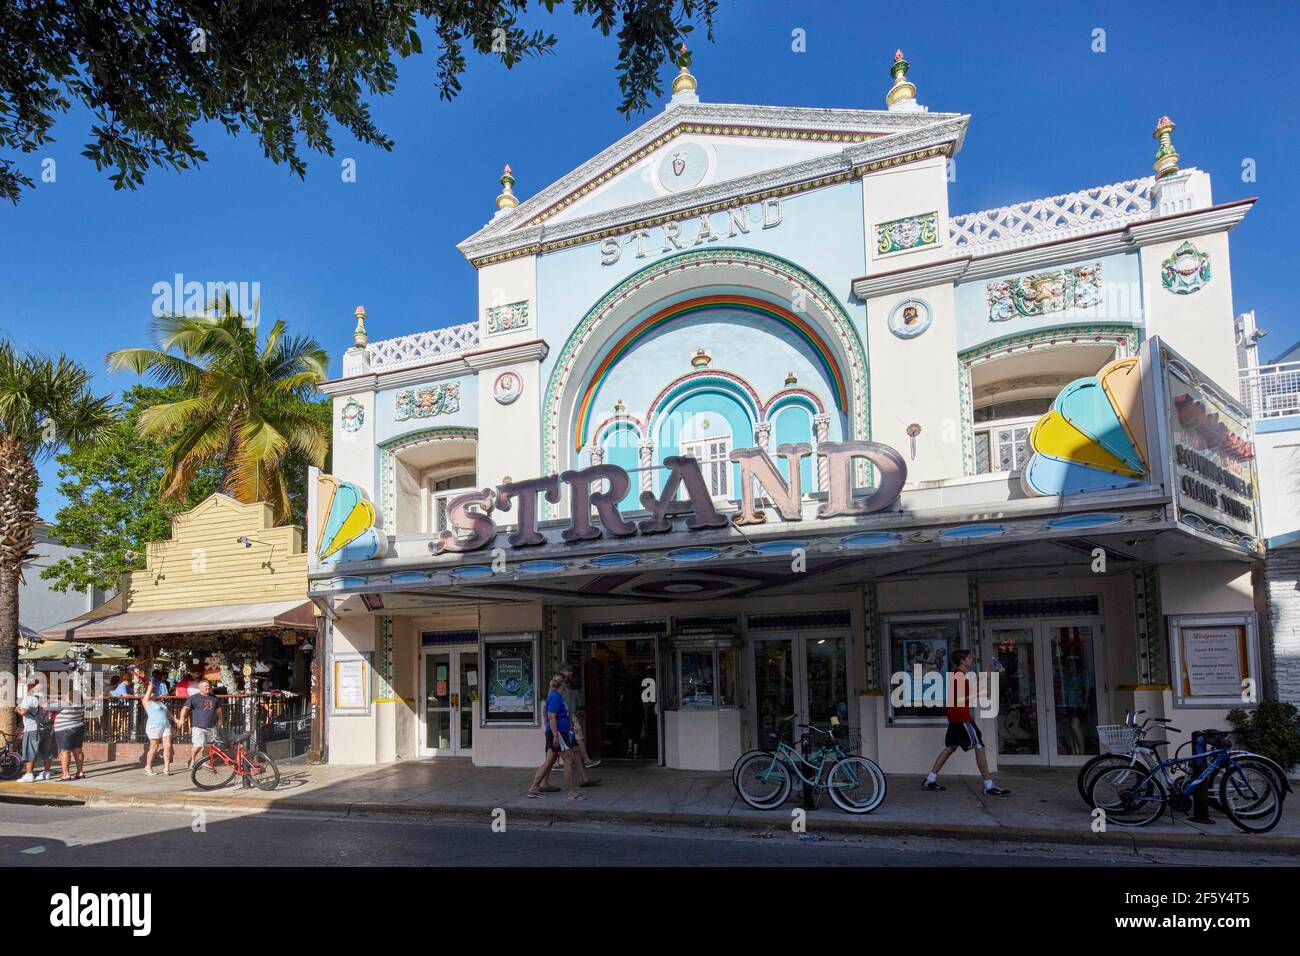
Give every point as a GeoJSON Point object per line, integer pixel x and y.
{"type": "Point", "coordinates": [353, 415]}
{"type": "Point", "coordinates": [508, 318]}
{"type": "Point", "coordinates": [428, 401]}
{"type": "Point", "coordinates": [909, 233]}
{"type": "Point", "coordinates": [1041, 293]}
{"type": "Point", "coordinates": [1186, 271]}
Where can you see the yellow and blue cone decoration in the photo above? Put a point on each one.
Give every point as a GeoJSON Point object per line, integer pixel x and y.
{"type": "Point", "coordinates": [347, 529]}
{"type": "Point", "coordinates": [1094, 437]}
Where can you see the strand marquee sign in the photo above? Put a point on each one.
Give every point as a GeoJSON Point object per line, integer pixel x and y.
{"type": "Point", "coordinates": [472, 526]}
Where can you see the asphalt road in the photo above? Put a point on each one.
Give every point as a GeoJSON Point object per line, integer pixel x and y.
{"type": "Point", "coordinates": [116, 836]}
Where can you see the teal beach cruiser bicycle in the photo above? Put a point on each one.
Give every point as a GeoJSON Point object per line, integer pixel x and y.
{"type": "Point", "coordinates": [764, 778]}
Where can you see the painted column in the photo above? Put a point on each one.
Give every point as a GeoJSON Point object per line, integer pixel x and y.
{"type": "Point", "coordinates": [822, 431]}
{"type": "Point", "coordinates": [597, 454]}
{"type": "Point", "coordinates": [646, 449]}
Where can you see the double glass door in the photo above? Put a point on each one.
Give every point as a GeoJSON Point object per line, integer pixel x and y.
{"type": "Point", "coordinates": [449, 686]}
{"type": "Point", "coordinates": [1049, 697]}
{"type": "Point", "coordinates": [804, 673]}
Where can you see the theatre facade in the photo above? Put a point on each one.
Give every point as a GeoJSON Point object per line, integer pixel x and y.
{"type": "Point", "coordinates": [750, 424]}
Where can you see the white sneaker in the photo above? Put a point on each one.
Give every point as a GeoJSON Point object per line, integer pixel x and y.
{"type": "Point", "coordinates": [149, 772]}
{"type": "Point", "coordinates": [27, 778]}
{"type": "Point", "coordinates": [45, 775]}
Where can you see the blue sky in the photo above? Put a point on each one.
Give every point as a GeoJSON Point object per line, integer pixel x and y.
{"type": "Point", "coordinates": [78, 261]}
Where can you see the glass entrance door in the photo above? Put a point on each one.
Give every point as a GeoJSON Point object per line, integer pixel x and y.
{"type": "Point", "coordinates": [448, 688]}
{"type": "Point", "coordinates": [804, 673]}
{"type": "Point", "coordinates": [1049, 700]}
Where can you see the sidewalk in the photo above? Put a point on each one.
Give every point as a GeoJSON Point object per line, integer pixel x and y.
{"type": "Point", "coordinates": [1043, 807]}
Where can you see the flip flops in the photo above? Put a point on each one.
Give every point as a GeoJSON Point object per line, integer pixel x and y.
{"type": "Point", "coordinates": [535, 796]}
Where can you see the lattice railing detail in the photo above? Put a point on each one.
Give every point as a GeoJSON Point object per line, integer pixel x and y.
{"type": "Point", "coordinates": [1052, 218]}
{"type": "Point", "coordinates": [423, 346]}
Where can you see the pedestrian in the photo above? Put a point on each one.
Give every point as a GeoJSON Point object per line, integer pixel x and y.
{"type": "Point", "coordinates": [38, 740]}
{"type": "Point", "coordinates": [584, 761]}
{"type": "Point", "coordinates": [123, 686]}
{"type": "Point", "coordinates": [70, 734]}
{"type": "Point", "coordinates": [158, 683]}
{"type": "Point", "coordinates": [963, 732]}
{"type": "Point", "coordinates": [158, 728]}
{"type": "Point", "coordinates": [204, 710]}
{"type": "Point", "coordinates": [560, 744]}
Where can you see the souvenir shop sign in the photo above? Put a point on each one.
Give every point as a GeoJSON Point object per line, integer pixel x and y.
{"type": "Point", "coordinates": [601, 487]}
{"type": "Point", "coordinates": [1213, 473]}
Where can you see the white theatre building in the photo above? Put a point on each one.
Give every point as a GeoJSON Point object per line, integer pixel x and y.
{"type": "Point", "coordinates": [750, 424]}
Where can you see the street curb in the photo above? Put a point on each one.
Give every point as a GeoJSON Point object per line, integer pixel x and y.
{"type": "Point", "coordinates": [1235, 841]}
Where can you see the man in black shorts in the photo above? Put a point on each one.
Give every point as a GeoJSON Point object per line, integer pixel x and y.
{"type": "Point", "coordinates": [963, 732]}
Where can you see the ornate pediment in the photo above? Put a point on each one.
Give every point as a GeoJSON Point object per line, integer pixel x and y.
{"type": "Point", "coordinates": [696, 154]}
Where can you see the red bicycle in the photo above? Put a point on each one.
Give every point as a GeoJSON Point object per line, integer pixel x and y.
{"type": "Point", "coordinates": [218, 766]}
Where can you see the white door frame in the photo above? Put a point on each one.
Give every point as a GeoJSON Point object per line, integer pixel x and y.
{"type": "Point", "coordinates": [453, 652]}
{"type": "Point", "coordinates": [1046, 704]}
{"type": "Point", "coordinates": [798, 640]}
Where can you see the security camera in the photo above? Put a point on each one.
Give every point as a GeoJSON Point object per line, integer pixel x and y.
{"type": "Point", "coordinates": [244, 540]}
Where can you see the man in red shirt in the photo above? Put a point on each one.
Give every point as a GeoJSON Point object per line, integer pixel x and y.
{"type": "Point", "coordinates": [963, 732]}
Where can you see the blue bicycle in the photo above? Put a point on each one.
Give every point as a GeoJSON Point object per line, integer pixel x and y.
{"type": "Point", "coordinates": [1136, 795]}
{"type": "Point", "coordinates": [764, 778]}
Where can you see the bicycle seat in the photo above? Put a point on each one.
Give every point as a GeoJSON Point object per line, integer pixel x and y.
{"type": "Point", "coordinates": [1152, 744]}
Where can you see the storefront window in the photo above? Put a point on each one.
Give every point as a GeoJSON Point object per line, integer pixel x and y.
{"type": "Point", "coordinates": [697, 680]}
{"type": "Point", "coordinates": [920, 649]}
{"type": "Point", "coordinates": [704, 673]}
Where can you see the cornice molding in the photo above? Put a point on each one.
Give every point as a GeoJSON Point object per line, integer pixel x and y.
{"type": "Point", "coordinates": [1124, 239]}
{"type": "Point", "coordinates": [467, 363]}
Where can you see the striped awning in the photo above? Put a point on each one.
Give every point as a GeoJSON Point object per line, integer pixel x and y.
{"type": "Point", "coordinates": [299, 615]}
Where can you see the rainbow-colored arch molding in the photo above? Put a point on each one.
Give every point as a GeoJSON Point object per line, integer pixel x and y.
{"type": "Point", "coordinates": [801, 326]}
{"type": "Point", "coordinates": [347, 529]}
{"type": "Point", "coordinates": [1094, 436]}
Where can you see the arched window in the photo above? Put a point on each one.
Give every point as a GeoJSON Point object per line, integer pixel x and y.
{"type": "Point", "coordinates": [1011, 393]}
{"type": "Point", "coordinates": [706, 437]}
{"type": "Point", "coordinates": [440, 492]}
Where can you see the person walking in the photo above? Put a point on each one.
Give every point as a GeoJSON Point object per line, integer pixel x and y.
{"type": "Point", "coordinates": [38, 738]}
{"type": "Point", "coordinates": [158, 728]}
{"type": "Point", "coordinates": [963, 732]}
{"type": "Point", "coordinates": [583, 760]}
{"type": "Point", "coordinates": [70, 735]}
{"type": "Point", "coordinates": [560, 744]}
{"type": "Point", "coordinates": [204, 711]}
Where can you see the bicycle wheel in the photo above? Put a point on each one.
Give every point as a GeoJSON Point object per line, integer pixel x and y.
{"type": "Point", "coordinates": [735, 767]}
{"type": "Point", "coordinates": [1090, 771]}
{"type": "Point", "coordinates": [763, 781]}
{"type": "Point", "coordinates": [1250, 797]}
{"type": "Point", "coordinates": [856, 785]}
{"type": "Point", "coordinates": [262, 770]}
{"type": "Point", "coordinates": [1130, 797]}
{"type": "Point", "coordinates": [208, 775]}
{"type": "Point", "coordinates": [1243, 807]}
{"type": "Point", "coordinates": [10, 765]}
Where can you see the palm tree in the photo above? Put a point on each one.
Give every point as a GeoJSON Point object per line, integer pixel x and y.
{"type": "Point", "coordinates": [245, 404]}
{"type": "Point", "coordinates": [46, 405]}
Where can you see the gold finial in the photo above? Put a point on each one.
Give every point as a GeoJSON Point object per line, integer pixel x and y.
{"type": "Point", "coordinates": [359, 333]}
{"type": "Point", "coordinates": [684, 82]}
{"type": "Point", "coordinates": [791, 379]}
{"type": "Point", "coordinates": [1166, 163]}
{"type": "Point", "coordinates": [903, 89]}
{"type": "Point", "coordinates": [507, 199]}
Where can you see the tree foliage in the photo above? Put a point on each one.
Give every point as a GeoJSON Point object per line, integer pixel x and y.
{"type": "Point", "coordinates": [150, 71]}
{"type": "Point", "coordinates": [244, 402]}
{"type": "Point", "coordinates": [113, 507]}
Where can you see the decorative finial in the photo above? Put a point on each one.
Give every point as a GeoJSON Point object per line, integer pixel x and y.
{"type": "Point", "coordinates": [791, 379]}
{"type": "Point", "coordinates": [684, 82]}
{"type": "Point", "coordinates": [507, 199]}
{"type": "Point", "coordinates": [903, 92]}
{"type": "Point", "coordinates": [702, 358]}
{"type": "Point", "coordinates": [359, 333]}
{"type": "Point", "coordinates": [620, 407]}
{"type": "Point", "coordinates": [1166, 163]}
